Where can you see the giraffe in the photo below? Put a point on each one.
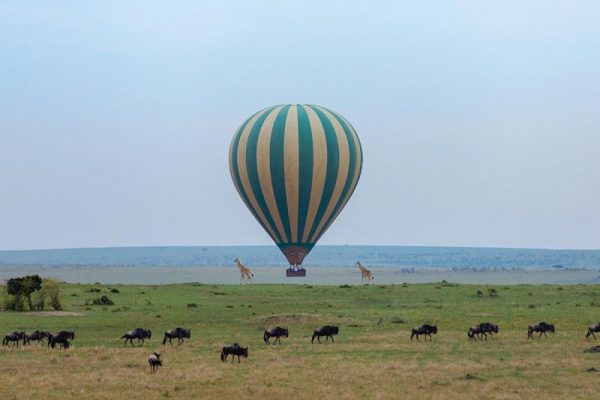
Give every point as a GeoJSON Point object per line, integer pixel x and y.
{"type": "Point", "coordinates": [245, 273]}
{"type": "Point", "coordinates": [366, 274]}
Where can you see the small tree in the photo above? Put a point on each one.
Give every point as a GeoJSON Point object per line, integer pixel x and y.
{"type": "Point", "coordinates": [24, 287]}
{"type": "Point", "coordinates": [33, 289]}
{"type": "Point", "coordinates": [52, 290]}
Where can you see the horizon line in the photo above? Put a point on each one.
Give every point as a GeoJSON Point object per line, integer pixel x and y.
{"type": "Point", "coordinates": [323, 245]}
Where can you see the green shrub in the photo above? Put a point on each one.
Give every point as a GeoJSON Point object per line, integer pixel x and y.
{"type": "Point", "coordinates": [13, 303]}
{"type": "Point", "coordinates": [100, 301]}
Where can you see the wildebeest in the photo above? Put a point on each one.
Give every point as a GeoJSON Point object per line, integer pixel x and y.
{"type": "Point", "coordinates": [488, 327]}
{"type": "Point", "coordinates": [475, 330]}
{"type": "Point", "coordinates": [61, 338]}
{"type": "Point", "coordinates": [139, 334]}
{"type": "Point", "coordinates": [542, 328]}
{"type": "Point", "coordinates": [593, 328]}
{"type": "Point", "coordinates": [277, 333]}
{"type": "Point", "coordinates": [328, 330]}
{"type": "Point", "coordinates": [179, 333]}
{"type": "Point", "coordinates": [13, 337]}
{"type": "Point", "coordinates": [425, 329]}
{"type": "Point", "coordinates": [35, 335]}
{"type": "Point", "coordinates": [482, 330]}
{"type": "Point", "coordinates": [154, 361]}
{"type": "Point", "coordinates": [235, 350]}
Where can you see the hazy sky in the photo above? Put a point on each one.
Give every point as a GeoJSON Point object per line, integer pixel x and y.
{"type": "Point", "coordinates": [480, 121]}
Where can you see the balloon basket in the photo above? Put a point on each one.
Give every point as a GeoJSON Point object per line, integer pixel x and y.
{"type": "Point", "coordinates": [295, 273]}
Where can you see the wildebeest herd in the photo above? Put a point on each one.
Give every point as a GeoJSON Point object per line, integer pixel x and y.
{"type": "Point", "coordinates": [63, 338]}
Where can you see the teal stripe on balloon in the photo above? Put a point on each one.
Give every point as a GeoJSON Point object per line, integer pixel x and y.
{"type": "Point", "coordinates": [333, 163]}
{"type": "Point", "coordinates": [351, 171]}
{"type": "Point", "coordinates": [305, 148]}
{"type": "Point", "coordinates": [278, 169]}
{"type": "Point", "coordinates": [233, 154]}
{"type": "Point", "coordinates": [252, 168]}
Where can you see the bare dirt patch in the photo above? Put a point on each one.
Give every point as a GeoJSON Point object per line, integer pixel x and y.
{"type": "Point", "coordinates": [54, 314]}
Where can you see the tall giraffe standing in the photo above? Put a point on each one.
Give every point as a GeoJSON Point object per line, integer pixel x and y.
{"type": "Point", "coordinates": [245, 273]}
{"type": "Point", "coordinates": [366, 274]}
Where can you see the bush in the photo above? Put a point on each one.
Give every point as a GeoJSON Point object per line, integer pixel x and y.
{"type": "Point", "coordinates": [13, 303]}
{"type": "Point", "coordinates": [101, 301]}
{"type": "Point", "coordinates": [52, 290]}
{"type": "Point", "coordinates": [113, 290]}
{"type": "Point", "coordinates": [93, 290]}
{"type": "Point", "coordinates": [192, 305]}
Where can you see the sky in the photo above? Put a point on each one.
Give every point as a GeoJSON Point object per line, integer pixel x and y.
{"type": "Point", "coordinates": [479, 121]}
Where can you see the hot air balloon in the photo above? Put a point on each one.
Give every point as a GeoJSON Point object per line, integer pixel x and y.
{"type": "Point", "coordinates": [295, 167]}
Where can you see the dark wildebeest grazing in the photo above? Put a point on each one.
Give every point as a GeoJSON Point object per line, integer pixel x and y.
{"type": "Point", "coordinates": [425, 329]}
{"type": "Point", "coordinates": [542, 328]}
{"type": "Point", "coordinates": [139, 334]}
{"type": "Point", "coordinates": [179, 333]}
{"type": "Point", "coordinates": [35, 335]}
{"type": "Point", "coordinates": [482, 330]}
{"type": "Point", "coordinates": [475, 330]}
{"type": "Point", "coordinates": [235, 350]}
{"type": "Point", "coordinates": [328, 330]}
{"type": "Point", "coordinates": [13, 337]}
{"type": "Point", "coordinates": [488, 327]}
{"type": "Point", "coordinates": [154, 361]}
{"type": "Point", "coordinates": [275, 332]}
{"type": "Point", "coordinates": [61, 338]}
{"type": "Point", "coordinates": [593, 328]}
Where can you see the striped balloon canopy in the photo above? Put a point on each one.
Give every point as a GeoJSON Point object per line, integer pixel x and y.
{"type": "Point", "coordinates": [295, 167]}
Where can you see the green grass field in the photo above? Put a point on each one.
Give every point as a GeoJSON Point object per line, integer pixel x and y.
{"type": "Point", "coordinates": [371, 358]}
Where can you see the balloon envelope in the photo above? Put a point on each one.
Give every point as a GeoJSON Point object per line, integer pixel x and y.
{"type": "Point", "coordinates": [295, 167]}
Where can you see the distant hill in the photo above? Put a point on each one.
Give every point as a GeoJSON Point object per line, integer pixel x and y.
{"type": "Point", "coordinates": [400, 256]}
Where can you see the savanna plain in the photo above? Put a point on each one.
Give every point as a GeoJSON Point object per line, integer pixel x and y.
{"type": "Point", "coordinates": [372, 357]}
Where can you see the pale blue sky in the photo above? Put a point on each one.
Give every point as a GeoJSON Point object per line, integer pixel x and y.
{"type": "Point", "coordinates": [480, 121]}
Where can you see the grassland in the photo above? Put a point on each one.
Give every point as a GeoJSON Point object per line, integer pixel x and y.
{"type": "Point", "coordinates": [372, 358]}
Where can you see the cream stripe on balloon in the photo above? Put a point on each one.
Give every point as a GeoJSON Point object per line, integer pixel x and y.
{"type": "Point", "coordinates": [357, 167]}
{"type": "Point", "coordinates": [263, 164]}
{"type": "Point", "coordinates": [319, 169]}
{"type": "Point", "coordinates": [343, 168]}
{"type": "Point", "coordinates": [241, 161]}
{"type": "Point", "coordinates": [237, 187]}
{"type": "Point", "coordinates": [291, 160]}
